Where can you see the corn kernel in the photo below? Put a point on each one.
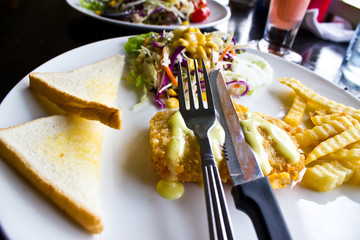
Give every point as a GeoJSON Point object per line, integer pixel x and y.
{"type": "Point", "coordinates": [112, 3]}
{"type": "Point", "coordinates": [200, 53]}
{"type": "Point", "coordinates": [172, 102]}
{"type": "Point", "coordinates": [203, 94]}
{"type": "Point", "coordinates": [98, 12]}
{"type": "Point", "coordinates": [197, 44]}
{"type": "Point", "coordinates": [172, 92]}
{"type": "Point", "coordinates": [200, 38]}
{"type": "Point", "coordinates": [191, 65]}
{"type": "Point", "coordinates": [184, 23]}
{"type": "Point", "coordinates": [181, 42]}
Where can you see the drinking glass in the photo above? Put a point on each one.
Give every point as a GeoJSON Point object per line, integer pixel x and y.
{"type": "Point", "coordinates": [283, 22]}
{"type": "Point", "coordinates": [351, 64]}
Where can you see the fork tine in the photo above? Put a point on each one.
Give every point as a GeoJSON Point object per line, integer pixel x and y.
{"type": "Point", "coordinates": [191, 95]}
{"type": "Point", "coordinates": [198, 86]}
{"type": "Point", "coordinates": [181, 92]}
{"type": "Point", "coordinates": [209, 98]}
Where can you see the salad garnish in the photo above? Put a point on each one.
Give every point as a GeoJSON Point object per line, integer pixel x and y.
{"type": "Point", "coordinates": [154, 55]}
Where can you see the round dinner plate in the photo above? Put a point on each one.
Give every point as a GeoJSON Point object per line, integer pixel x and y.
{"type": "Point", "coordinates": [218, 14]}
{"type": "Point", "coordinates": [131, 207]}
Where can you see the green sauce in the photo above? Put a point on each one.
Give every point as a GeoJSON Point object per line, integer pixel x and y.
{"type": "Point", "coordinates": [283, 142]}
{"type": "Point", "coordinates": [177, 142]}
{"type": "Point", "coordinates": [170, 190]}
{"type": "Point", "coordinates": [217, 140]}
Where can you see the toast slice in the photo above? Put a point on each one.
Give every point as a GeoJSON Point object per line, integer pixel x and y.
{"type": "Point", "coordinates": [88, 91]}
{"type": "Point", "coordinates": [60, 155]}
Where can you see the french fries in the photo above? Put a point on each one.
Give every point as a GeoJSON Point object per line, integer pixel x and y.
{"type": "Point", "coordinates": [324, 131]}
{"type": "Point", "coordinates": [332, 145]}
{"type": "Point", "coordinates": [326, 176]}
{"type": "Point", "coordinates": [296, 112]}
{"type": "Point", "coordinates": [335, 143]}
{"type": "Point", "coordinates": [318, 101]}
{"type": "Point", "coordinates": [345, 154]}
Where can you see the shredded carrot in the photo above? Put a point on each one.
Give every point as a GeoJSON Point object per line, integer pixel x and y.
{"type": "Point", "coordinates": [171, 76]}
{"type": "Point", "coordinates": [163, 53]}
{"type": "Point", "coordinates": [145, 41]}
{"type": "Point", "coordinates": [232, 52]}
{"type": "Point", "coordinates": [229, 47]}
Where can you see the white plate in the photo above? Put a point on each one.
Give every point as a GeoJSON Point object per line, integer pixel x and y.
{"type": "Point", "coordinates": [218, 14]}
{"type": "Point", "coordinates": [131, 207]}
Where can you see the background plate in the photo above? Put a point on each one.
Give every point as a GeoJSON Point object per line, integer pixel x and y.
{"type": "Point", "coordinates": [218, 14]}
{"type": "Point", "coordinates": [131, 207]}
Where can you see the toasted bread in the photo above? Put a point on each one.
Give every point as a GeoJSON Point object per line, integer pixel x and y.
{"type": "Point", "coordinates": [60, 155]}
{"type": "Point", "coordinates": [88, 91]}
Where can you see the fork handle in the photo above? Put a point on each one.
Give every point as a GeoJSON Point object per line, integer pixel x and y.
{"type": "Point", "coordinates": [257, 200]}
{"type": "Point", "coordinates": [217, 211]}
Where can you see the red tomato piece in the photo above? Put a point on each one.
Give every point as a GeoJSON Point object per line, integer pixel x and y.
{"type": "Point", "coordinates": [202, 4]}
{"type": "Point", "coordinates": [200, 14]}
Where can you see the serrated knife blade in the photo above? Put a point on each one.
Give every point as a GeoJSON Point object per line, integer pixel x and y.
{"type": "Point", "coordinates": [251, 190]}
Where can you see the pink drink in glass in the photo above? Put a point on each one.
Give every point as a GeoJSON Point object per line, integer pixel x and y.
{"type": "Point", "coordinates": [287, 14]}
{"type": "Point", "coordinates": [284, 19]}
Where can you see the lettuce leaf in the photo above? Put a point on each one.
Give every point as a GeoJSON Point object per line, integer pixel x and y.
{"type": "Point", "coordinates": [137, 80]}
{"type": "Point", "coordinates": [92, 5]}
{"type": "Point", "coordinates": [134, 43]}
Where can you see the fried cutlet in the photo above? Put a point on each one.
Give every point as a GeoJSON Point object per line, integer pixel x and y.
{"type": "Point", "coordinates": [187, 167]}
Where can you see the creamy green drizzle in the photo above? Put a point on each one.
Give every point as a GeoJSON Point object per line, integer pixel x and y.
{"type": "Point", "coordinates": [170, 190]}
{"type": "Point", "coordinates": [283, 142]}
{"type": "Point", "coordinates": [176, 149]}
{"type": "Point", "coordinates": [177, 142]}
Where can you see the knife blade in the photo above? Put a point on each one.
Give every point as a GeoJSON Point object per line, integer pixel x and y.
{"type": "Point", "coordinates": [252, 192]}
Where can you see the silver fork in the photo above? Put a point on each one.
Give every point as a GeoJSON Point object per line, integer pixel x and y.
{"type": "Point", "coordinates": [201, 120]}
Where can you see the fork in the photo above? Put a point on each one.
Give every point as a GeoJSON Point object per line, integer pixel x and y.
{"type": "Point", "coordinates": [201, 120]}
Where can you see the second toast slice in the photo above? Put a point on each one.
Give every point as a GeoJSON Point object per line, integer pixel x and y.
{"type": "Point", "coordinates": [88, 91]}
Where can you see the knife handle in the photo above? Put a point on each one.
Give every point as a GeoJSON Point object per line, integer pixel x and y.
{"type": "Point", "coordinates": [257, 200]}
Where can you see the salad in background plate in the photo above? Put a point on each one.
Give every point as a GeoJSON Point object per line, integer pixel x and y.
{"type": "Point", "coordinates": [154, 59]}
{"type": "Point", "coordinates": [155, 12]}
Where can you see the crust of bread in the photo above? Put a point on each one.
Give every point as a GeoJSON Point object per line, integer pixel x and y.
{"type": "Point", "coordinates": [92, 110]}
{"type": "Point", "coordinates": [74, 105]}
{"type": "Point", "coordinates": [90, 221]}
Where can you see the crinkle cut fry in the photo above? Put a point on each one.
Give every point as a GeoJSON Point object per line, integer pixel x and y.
{"type": "Point", "coordinates": [354, 165]}
{"type": "Point", "coordinates": [318, 100]}
{"type": "Point", "coordinates": [335, 143]}
{"type": "Point", "coordinates": [296, 112]}
{"type": "Point", "coordinates": [321, 132]}
{"type": "Point", "coordinates": [344, 154]}
{"type": "Point", "coordinates": [353, 145]}
{"type": "Point", "coordinates": [319, 119]}
{"type": "Point", "coordinates": [326, 176]}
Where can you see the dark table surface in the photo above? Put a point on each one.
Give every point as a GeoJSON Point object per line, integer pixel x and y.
{"type": "Point", "coordinates": [35, 31]}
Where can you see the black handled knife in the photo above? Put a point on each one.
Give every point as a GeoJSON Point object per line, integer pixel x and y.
{"type": "Point", "coordinates": [251, 190]}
